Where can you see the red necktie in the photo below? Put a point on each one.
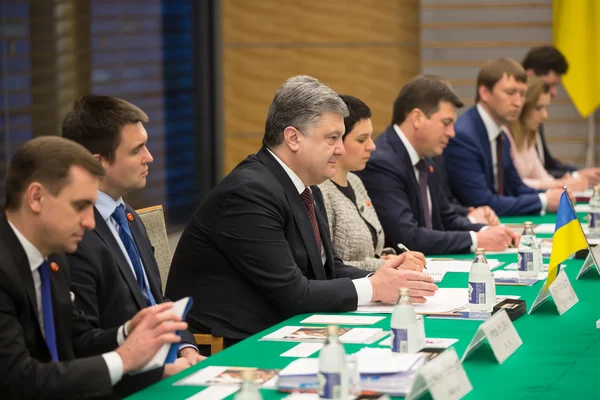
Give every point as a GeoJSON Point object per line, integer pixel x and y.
{"type": "Point", "coordinates": [310, 208]}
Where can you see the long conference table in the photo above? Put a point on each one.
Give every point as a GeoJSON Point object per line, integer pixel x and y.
{"type": "Point", "coordinates": [559, 358]}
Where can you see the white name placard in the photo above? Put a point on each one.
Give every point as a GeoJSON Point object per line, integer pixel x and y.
{"type": "Point", "coordinates": [444, 377]}
{"type": "Point", "coordinates": [563, 293]}
{"type": "Point", "coordinates": [501, 335]}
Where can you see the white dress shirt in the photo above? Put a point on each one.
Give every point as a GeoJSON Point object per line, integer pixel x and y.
{"type": "Point", "coordinates": [364, 290]}
{"type": "Point", "coordinates": [414, 159]}
{"type": "Point", "coordinates": [493, 131]}
{"type": "Point", "coordinates": [34, 257]}
{"type": "Point", "coordinates": [106, 205]}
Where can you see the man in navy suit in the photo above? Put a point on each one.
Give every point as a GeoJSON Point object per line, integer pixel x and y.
{"type": "Point", "coordinates": [403, 181]}
{"type": "Point", "coordinates": [114, 271]}
{"type": "Point", "coordinates": [549, 65]}
{"type": "Point", "coordinates": [478, 160]}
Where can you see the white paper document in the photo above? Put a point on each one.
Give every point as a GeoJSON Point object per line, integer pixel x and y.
{"type": "Point", "coordinates": [215, 392]}
{"type": "Point", "coordinates": [214, 375]}
{"type": "Point", "coordinates": [545, 229]}
{"type": "Point", "coordinates": [435, 343]}
{"type": "Point", "coordinates": [582, 208]}
{"type": "Point", "coordinates": [319, 334]}
{"type": "Point", "coordinates": [437, 275]}
{"type": "Point", "coordinates": [341, 319]}
{"type": "Point", "coordinates": [449, 265]}
{"type": "Point", "coordinates": [303, 350]}
{"type": "Point", "coordinates": [512, 277]}
{"type": "Point", "coordinates": [371, 360]}
{"type": "Point", "coordinates": [445, 300]}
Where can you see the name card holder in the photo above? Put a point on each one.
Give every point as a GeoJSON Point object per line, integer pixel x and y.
{"type": "Point", "coordinates": [501, 335]}
{"type": "Point", "coordinates": [443, 377]}
{"type": "Point", "coordinates": [590, 261]}
{"type": "Point", "coordinates": [561, 291]}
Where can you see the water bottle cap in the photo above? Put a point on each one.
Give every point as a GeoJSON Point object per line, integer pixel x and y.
{"type": "Point", "coordinates": [403, 291]}
{"type": "Point", "coordinates": [528, 224]}
{"type": "Point", "coordinates": [248, 375]}
{"type": "Point", "coordinates": [480, 250]}
{"type": "Point", "coordinates": [332, 330]}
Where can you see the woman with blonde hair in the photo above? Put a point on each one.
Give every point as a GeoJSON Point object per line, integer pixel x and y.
{"type": "Point", "coordinates": [522, 136]}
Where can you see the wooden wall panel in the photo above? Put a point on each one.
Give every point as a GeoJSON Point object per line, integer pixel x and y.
{"type": "Point", "coordinates": [366, 48]}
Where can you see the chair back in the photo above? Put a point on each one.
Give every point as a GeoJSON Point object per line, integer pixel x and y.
{"type": "Point", "coordinates": [154, 221]}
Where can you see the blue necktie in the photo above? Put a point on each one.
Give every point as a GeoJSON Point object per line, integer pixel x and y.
{"type": "Point", "coordinates": [49, 331]}
{"type": "Point", "coordinates": [132, 251]}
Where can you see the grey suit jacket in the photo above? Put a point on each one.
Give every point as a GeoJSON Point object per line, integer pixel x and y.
{"type": "Point", "coordinates": [350, 233]}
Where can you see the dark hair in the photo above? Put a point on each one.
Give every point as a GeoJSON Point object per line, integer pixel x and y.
{"type": "Point", "coordinates": [493, 71]}
{"type": "Point", "coordinates": [299, 102]}
{"type": "Point", "coordinates": [96, 121]}
{"type": "Point", "coordinates": [357, 111]}
{"type": "Point", "coordinates": [47, 160]}
{"type": "Point", "coordinates": [544, 59]}
{"type": "Point", "coordinates": [424, 92]}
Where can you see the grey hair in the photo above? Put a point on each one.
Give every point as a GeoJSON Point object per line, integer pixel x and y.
{"type": "Point", "coordinates": [299, 102]}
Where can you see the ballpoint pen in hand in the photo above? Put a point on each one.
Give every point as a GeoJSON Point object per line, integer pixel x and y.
{"type": "Point", "coordinates": [403, 247]}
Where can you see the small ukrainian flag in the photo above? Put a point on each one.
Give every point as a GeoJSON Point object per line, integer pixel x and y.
{"type": "Point", "coordinates": [568, 237]}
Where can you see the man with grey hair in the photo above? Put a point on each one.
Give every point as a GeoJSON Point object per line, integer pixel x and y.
{"type": "Point", "coordinates": [258, 251]}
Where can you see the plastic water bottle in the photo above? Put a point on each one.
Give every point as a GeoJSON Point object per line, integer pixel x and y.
{"type": "Point", "coordinates": [404, 327]}
{"type": "Point", "coordinates": [482, 287]}
{"type": "Point", "coordinates": [595, 211]}
{"type": "Point", "coordinates": [333, 374]}
{"type": "Point", "coordinates": [249, 390]}
{"type": "Point", "coordinates": [530, 254]}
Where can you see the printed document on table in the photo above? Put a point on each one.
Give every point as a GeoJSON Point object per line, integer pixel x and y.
{"type": "Point", "coordinates": [445, 300]}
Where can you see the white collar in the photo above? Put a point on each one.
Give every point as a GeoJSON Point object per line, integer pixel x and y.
{"type": "Point", "coordinates": [106, 205]}
{"type": "Point", "coordinates": [493, 130]}
{"type": "Point", "coordinates": [412, 153]}
{"type": "Point", "coordinates": [300, 186]}
{"type": "Point", "coordinates": [34, 257]}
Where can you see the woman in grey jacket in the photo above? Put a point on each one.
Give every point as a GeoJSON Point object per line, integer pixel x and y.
{"type": "Point", "coordinates": [356, 233]}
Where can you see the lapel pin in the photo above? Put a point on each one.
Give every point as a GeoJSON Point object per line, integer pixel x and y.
{"type": "Point", "coordinates": [368, 203]}
{"type": "Point", "coordinates": [54, 266]}
{"type": "Point", "coordinates": [129, 217]}
{"type": "Point", "coordinates": [431, 169]}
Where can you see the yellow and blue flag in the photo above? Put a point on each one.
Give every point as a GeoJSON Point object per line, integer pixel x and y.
{"type": "Point", "coordinates": [568, 237]}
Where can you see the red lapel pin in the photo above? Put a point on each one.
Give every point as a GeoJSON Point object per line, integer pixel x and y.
{"type": "Point", "coordinates": [368, 203]}
{"type": "Point", "coordinates": [129, 217]}
{"type": "Point", "coordinates": [431, 169]}
{"type": "Point", "coordinates": [54, 266]}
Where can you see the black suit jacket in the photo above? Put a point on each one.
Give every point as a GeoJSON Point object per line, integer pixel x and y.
{"type": "Point", "coordinates": [249, 256]}
{"type": "Point", "coordinates": [26, 369]}
{"type": "Point", "coordinates": [392, 185]}
{"type": "Point", "coordinates": [106, 289]}
{"type": "Point", "coordinates": [440, 165]}
{"type": "Point", "coordinates": [552, 165]}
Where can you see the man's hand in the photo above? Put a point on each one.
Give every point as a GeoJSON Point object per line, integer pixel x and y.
{"type": "Point", "coordinates": [497, 238]}
{"type": "Point", "coordinates": [484, 215]}
{"type": "Point", "coordinates": [409, 260]}
{"type": "Point", "coordinates": [156, 327]}
{"type": "Point", "coordinates": [553, 198]}
{"type": "Point", "coordinates": [592, 174]}
{"type": "Point", "coordinates": [177, 366]}
{"type": "Point", "coordinates": [191, 355]}
{"type": "Point", "coordinates": [388, 279]}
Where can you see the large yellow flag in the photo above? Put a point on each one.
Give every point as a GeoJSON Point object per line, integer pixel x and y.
{"type": "Point", "coordinates": [576, 29]}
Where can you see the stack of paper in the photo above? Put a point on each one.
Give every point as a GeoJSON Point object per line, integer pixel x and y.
{"type": "Point", "coordinates": [451, 265]}
{"type": "Point", "coordinates": [319, 334]}
{"type": "Point", "coordinates": [214, 375]}
{"type": "Point", "coordinates": [512, 278]}
{"type": "Point", "coordinates": [445, 300]}
{"type": "Point", "coordinates": [380, 371]}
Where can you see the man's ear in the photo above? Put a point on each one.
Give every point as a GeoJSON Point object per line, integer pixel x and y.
{"type": "Point", "coordinates": [417, 118]}
{"type": "Point", "coordinates": [292, 138]}
{"type": "Point", "coordinates": [484, 93]}
{"type": "Point", "coordinates": [34, 196]}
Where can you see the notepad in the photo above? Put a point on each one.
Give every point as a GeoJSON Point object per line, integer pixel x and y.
{"type": "Point", "coordinates": [451, 265]}
{"type": "Point", "coordinates": [437, 275]}
{"type": "Point", "coordinates": [180, 308]}
{"type": "Point", "coordinates": [341, 319]}
{"type": "Point", "coordinates": [445, 300]}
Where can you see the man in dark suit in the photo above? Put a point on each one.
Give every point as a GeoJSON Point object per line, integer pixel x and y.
{"type": "Point", "coordinates": [403, 183]}
{"type": "Point", "coordinates": [258, 251]}
{"type": "Point", "coordinates": [480, 167]}
{"type": "Point", "coordinates": [114, 271]}
{"type": "Point", "coordinates": [477, 215]}
{"type": "Point", "coordinates": [549, 65]}
{"type": "Point", "coordinates": [47, 348]}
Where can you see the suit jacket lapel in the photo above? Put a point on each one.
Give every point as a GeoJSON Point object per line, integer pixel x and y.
{"type": "Point", "coordinates": [298, 211]}
{"type": "Point", "coordinates": [62, 307]}
{"type": "Point", "coordinates": [321, 215]}
{"type": "Point", "coordinates": [485, 146]}
{"type": "Point", "coordinates": [104, 232]}
{"type": "Point", "coordinates": [407, 166]}
{"type": "Point", "coordinates": [148, 260]}
{"type": "Point", "coordinates": [434, 191]}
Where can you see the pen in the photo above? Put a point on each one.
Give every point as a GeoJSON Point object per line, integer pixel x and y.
{"type": "Point", "coordinates": [403, 247]}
